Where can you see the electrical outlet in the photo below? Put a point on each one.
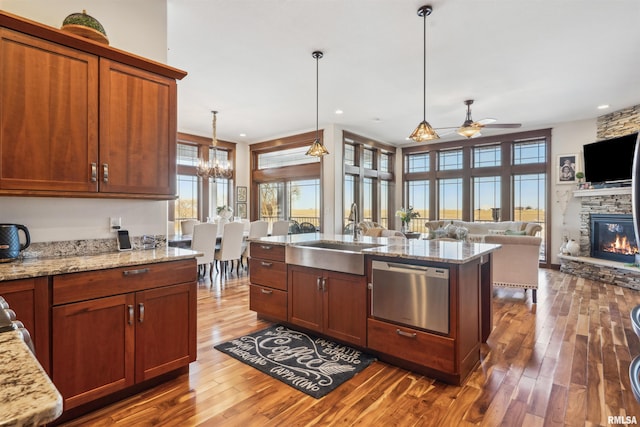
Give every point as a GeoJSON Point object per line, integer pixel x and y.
{"type": "Point", "coordinates": [115, 223]}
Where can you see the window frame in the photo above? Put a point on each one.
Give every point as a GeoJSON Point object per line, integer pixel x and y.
{"type": "Point", "coordinates": [506, 170]}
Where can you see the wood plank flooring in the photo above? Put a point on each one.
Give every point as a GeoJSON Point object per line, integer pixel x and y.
{"type": "Point", "coordinates": [564, 364]}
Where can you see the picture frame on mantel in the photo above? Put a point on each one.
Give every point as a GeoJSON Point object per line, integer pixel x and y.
{"type": "Point", "coordinates": [567, 166]}
{"type": "Point", "coordinates": [241, 194]}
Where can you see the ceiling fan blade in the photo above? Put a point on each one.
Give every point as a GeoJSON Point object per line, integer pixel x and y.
{"type": "Point", "coordinates": [503, 125]}
{"type": "Point", "coordinates": [486, 121]}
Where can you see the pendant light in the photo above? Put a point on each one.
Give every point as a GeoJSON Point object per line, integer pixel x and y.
{"type": "Point", "coordinates": [424, 131]}
{"type": "Point", "coordinates": [317, 149]}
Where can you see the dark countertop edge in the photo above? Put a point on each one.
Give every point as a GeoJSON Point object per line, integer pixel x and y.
{"type": "Point", "coordinates": [52, 266]}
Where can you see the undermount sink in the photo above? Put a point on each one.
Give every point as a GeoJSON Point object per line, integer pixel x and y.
{"type": "Point", "coordinates": [345, 257]}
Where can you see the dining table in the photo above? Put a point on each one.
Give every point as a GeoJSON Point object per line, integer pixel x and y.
{"type": "Point", "coordinates": [183, 241]}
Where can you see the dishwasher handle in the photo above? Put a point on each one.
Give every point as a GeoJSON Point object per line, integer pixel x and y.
{"type": "Point", "coordinates": [412, 269]}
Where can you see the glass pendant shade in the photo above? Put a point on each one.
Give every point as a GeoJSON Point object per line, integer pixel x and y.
{"type": "Point", "coordinates": [468, 131]}
{"type": "Point", "coordinates": [424, 132]}
{"type": "Point", "coordinates": [317, 149]}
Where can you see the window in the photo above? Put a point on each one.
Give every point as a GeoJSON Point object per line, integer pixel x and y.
{"type": "Point", "coordinates": [286, 181]}
{"type": "Point", "coordinates": [485, 179]}
{"type": "Point", "coordinates": [449, 160]}
{"type": "Point", "coordinates": [450, 198]}
{"type": "Point", "coordinates": [486, 156]}
{"type": "Point", "coordinates": [368, 179]}
{"type": "Point", "coordinates": [486, 198]}
{"type": "Point", "coordinates": [199, 198]}
{"type": "Point", "coordinates": [285, 157]}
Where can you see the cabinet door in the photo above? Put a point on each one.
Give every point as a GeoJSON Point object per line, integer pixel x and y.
{"type": "Point", "coordinates": [29, 298]}
{"type": "Point", "coordinates": [345, 310]}
{"type": "Point", "coordinates": [166, 329]}
{"type": "Point", "coordinates": [93, 348]}
{"type": "Point", "coordinates": [137, 131]}
{"type": "Point", "coordinates": [305, 297]}
{"type": "Point", "coordinates": [48, 115]}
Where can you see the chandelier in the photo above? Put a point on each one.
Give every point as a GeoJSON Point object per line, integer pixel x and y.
{"type": "Point", "coordinates": [213, 169]}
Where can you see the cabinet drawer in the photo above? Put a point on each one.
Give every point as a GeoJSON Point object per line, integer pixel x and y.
{"type": "Point", "coordinates": [75, 287]}
{"type": "Point", "coordinates": [269, 302]}
{"type": "Point", "coordinates": [410, 344]}
{"type": "Point", "coordinates": [267, 251]}
{"type": "Point", "coordinates": [268, 273]}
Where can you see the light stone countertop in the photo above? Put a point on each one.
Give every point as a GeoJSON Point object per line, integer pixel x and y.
{"type": "Point", "coordinates": [452, 252]}
{"type": "Point", "coordinates": [50, 266]}
{"type": "Point", "coordinates": [27, 395]}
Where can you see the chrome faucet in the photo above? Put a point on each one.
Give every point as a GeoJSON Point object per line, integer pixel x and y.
{"type": "Point", "coordinates": [353, 216]}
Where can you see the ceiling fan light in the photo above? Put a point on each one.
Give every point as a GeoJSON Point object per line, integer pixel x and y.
{"type": "Point", "coordinates": [424, 132]}
{"type": "Point", "coordinates": [317, 149]}
{"type": "Point", "coordinates": [468, 131]}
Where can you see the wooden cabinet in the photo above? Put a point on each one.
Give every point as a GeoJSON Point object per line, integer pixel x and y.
{"type": "Point", "coordinates": [115, 328]}
{"type": "Point", "coordinates": [268, 276]}
{"type": "Point", "coordinates": [29, 298]}
{"type": "Point", "coordinates": [328, 302]}
{"type": "Point", "coordinates": [81, 119]}
{"type": "Point", "coordinates": [137, 130]}
{"type": "Point", "coordinates": [48, 115]}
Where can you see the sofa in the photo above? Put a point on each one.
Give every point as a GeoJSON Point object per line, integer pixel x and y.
{"type": "Point", "coordinates": [515, 264]}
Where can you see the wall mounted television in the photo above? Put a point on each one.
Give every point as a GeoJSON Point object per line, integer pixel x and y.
{"type": "Point", "coordinates": [610, 160]}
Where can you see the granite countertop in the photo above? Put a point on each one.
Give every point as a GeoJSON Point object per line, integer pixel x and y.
{"type": "Point", "coordinates": [426, 250]}
{"type": "Point", "coordinates": [48, 266]}
{"type": "Point", "coordinates": [27, 395]}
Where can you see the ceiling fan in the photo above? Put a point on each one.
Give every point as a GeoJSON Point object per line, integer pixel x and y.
{"type": "Point", "coordinates": [471, 129]}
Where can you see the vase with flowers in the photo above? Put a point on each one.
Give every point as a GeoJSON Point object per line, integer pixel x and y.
{"type": "Point", "coordinates": [406, 215]}
{"type": "Point", "coordinates": [224, 213]}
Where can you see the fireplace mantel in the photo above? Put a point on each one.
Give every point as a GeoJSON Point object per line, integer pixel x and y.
{"type": "Point", "coordinates": [602, 192]}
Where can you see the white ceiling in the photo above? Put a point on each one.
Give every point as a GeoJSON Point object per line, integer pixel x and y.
{"type": "Point", "coordinates": [535, 62]}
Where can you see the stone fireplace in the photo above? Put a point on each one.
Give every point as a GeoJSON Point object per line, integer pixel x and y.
{"type": "Point", "coordinates": [612, 237]}
{"type": "Point", "coordinates": [612, 205]}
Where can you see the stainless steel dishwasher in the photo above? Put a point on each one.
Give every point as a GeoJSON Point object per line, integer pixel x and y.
{"type": "Point", "coordinates": [412, 295]}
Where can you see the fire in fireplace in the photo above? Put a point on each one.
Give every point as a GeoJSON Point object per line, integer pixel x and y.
{"type": "Point", "coordinates": [613, 237]}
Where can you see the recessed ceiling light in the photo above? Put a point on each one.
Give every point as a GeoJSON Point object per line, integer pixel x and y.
{"type": "Point", "coordinates": [339, 111]}
{"type": "Point", "coordinates": [243, 135]}
{"type": "Point", "coordinates": [377, 120]}
{"type": "Point", "coordinates": [603, 106]}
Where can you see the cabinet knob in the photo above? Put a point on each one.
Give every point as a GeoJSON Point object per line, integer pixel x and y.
{"type": "Point", "coordinates": [266, 264]}
{"type": "Point", "coordinates": [105, 172]}
{"type": "Point", "coordinates": [94, 172]}
{"type": "Point", "coordinates": [266, 291]}
{"type": "Point", "coordinates": [134, 272]}
{"type": "Point", "coordinates": [130, 306]}
{"type": "Point", "coordinates": [265, 247]}
{"type": "Point", "coordinates": [141, 310]}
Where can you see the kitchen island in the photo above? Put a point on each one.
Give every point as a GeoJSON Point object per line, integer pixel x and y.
{"type": "Point", "coordinates": [324, 283]}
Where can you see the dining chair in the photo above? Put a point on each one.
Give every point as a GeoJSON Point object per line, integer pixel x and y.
{"type": "Point", "coordinates": [257, 229]}
{"type": "Point", "coordinates": [186, 226]}
{"type": "Point", "coordinates": [230, 245]}
{"type": "Point", "coordinates": [307, 227]}
{"type": "Point", "coordinates": [204, 240]}
{"type": "Point", "coordinates": [280, 228]}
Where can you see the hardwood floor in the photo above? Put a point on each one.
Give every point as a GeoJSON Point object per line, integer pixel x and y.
{"type": "Point", "coordinates": [565, 364]}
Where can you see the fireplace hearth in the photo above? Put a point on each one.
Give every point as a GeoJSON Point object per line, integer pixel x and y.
{"type": "Point", "coordinates": [613, 237]}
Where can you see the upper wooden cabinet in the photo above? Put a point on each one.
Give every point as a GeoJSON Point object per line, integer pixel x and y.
{"type": "Point", "coordinates": [137, 130]}
{"type": "Point", "coordinates": [82, 119]}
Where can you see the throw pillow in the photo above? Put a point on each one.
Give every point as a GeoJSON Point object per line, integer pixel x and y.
{"type": "Point", "coordinates": [497, 231]}
{"type": "Point", "coordinates": [462, 233]}
{"type": "Point", "coordinates": [514, 233]}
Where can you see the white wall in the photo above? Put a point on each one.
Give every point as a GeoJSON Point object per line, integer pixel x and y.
{"type": "Point", "coordinates": [136, 26]}
{"type": "Point", "coordinates": [567, 138]}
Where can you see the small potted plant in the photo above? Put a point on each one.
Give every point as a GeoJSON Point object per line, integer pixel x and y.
{"type": "Point", "coordinates": [580, 178]}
